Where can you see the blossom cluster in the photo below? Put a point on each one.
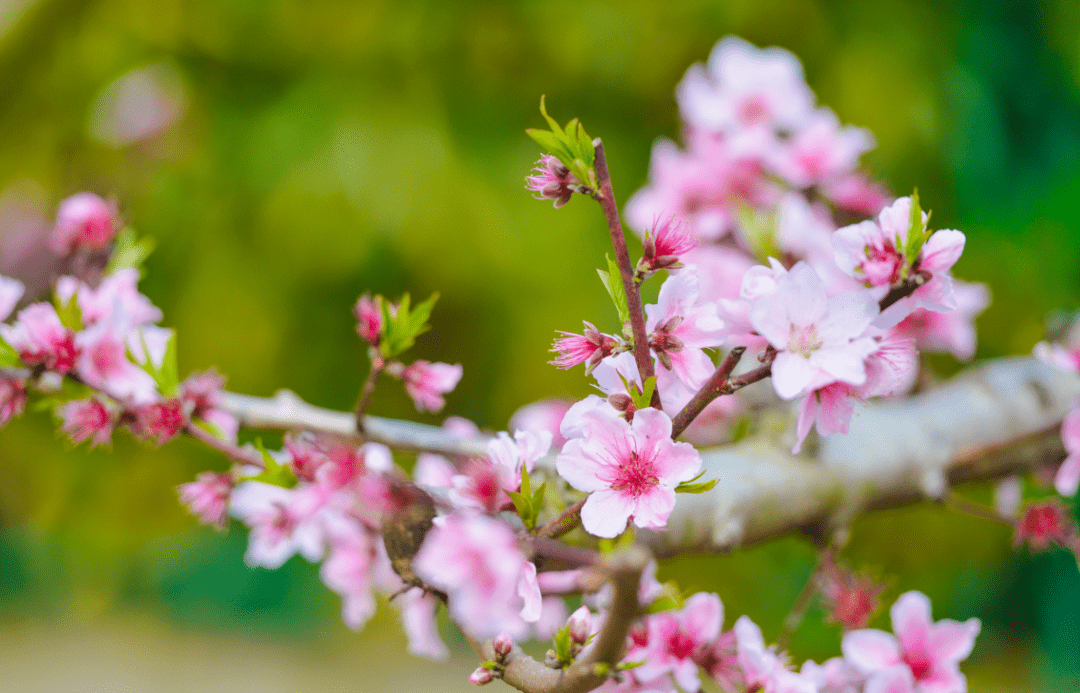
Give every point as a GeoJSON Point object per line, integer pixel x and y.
{"type": "Point", "coordinates": [673, 650]}
{"type": "Point", "coordinates": [744, 219]}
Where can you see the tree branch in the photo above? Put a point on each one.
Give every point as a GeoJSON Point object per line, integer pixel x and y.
{"type": "Point", "coordinates": [1000, 419]}
{"type": "Point", "coordinates": [606, 198]}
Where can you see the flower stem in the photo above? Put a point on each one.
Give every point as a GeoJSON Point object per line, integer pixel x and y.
{"type": "Point", "coordinates": [233, 452]}
{"type": "Point", "coordinates": [377, 366]}
{"type": "Point", "coordinates": [606, 197]}
{"type": "Point", "coordinates": [564, 522]}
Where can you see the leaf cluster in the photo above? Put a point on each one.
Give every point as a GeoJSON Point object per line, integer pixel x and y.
{"type": "Point", "coordinates": [570, 145]}
{"type": "Point", "coordinates": [401, 326]}
{"type": "Point", "coordinates": [527, 502]}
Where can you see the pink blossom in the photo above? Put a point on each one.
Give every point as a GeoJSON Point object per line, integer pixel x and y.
{"type": "Point", "coordinates": [580, 625]}
{"type": "Point", "coordinates": [850, 599]}
{"type": "Point", "coordinates": [476, 561]}
{"type": "Point", "coordinates": [427, 382]}
{"type": "Point", "coordinates": [892, 369]}
{"type": "Point", "coordinates": [720, 270]}
{"type": "Point", "coordinates": [954, 331]}
{"type": "Point", "coordinates": [510, 456]}
{"type": "Point", "coordinates": [200, 394]}
{"type": "Point", "coordinates": [103, 361]}
{"type": "Point", "coordinates": [41, 339]}
{"type": "Point", "coordinates": [1058, 356]}
{"type": "Point", "coordinates": [1068, 475]}
{"type": "Point", "coordinates": [744, 86]}
{"type": "Point", "coordinates": [117, 291]}
{"type": "Point", "coordinates": [805, 231]}
{"type": "Point", "coordinates": [721, 662]}
{"type": "Point", "coordinates": [930, 651]}
{"type": "Point", "coordinates": [856, 194]}
{"type": "Point", "coordinates": [553, 181]}
{"type": "Point", "coordinates": [208, 497]}
{"type": "Point", "coordinates": [347, 569]}
{"type": "Point", "coordinates": [87, 419]}
{"type": "Point", "coordinates": [675, 638]}
{"type": "Point", "coordinates": [11, 290]}
{"type": "Point", "coordinates": [84, 220]}
{"type": "Point", "coordinates": [545, 415]}
{"type": "Point", "coordinates": [681, 327]}
{"type": "Point", "coordinates": [12, 398]}
{"type": "Point", "coordinates": [821, 150]}
{"type": "Point", "coordinates": [369, 318]}
{"type": "Point", "coordinates": [665, 245]}
{"type": "Point", "coordinates": [833, 676]}
{"type": "Point", "coordinates": [418, 617]}
{"type": "Point", "coordinates": [1046, 523]}
{"type": "Point", "coordinates": [629, 470]}
{"type": "Point", "coordinates": [481, 676]}
{"type": "Point", "coordinates": [282, 521]}
{"type": "Point", "coordinates": [763, 668]}
{"type": "Point", "coordinates": [829, 409]}
{"type": "Point", "coordinates": [589, 348]}
{"type": "Point", "coordinates": [819, 339]}
{"type": "Point", "coordinates": [159, 422]}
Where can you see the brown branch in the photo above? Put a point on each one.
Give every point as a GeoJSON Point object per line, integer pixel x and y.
{"type": "Point", "coordinates": [606, 197]}
{"type": "Point", "coordinates": [377, 365]}
{"type": "Point", "coordinates": [527, 674]}
{"type": "Point", "coordinates": [564, 522]}
{"type": "Point", "coordinates": [233, 452]}
{"type": "Point", "coordinates": [712, 389]}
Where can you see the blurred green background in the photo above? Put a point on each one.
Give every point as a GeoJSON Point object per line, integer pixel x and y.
{"type": "Point", "coordinates": [326, 147]}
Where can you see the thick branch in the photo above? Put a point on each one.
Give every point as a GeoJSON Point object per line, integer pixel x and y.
{"type": "Point", "coordinates": [287, 411]}
{"type": "Point", "coordinates": [1000, 419]}
{"type": "Point", "coordinates": [606, 198]}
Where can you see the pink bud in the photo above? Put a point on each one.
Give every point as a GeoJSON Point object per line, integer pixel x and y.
{"type": "Point", "coordinates": [580, 624]}
{"type": "Point", "coordinates": [369, 318]}
{"type": "Point", "coordinates": [481, 676]}
{"type": "Point", "coordinates": [87, 419]}
{"type": "Point", "coordinates": [159, 422]}
{"type": "Point", "coordinates": [851, 599]}
{"type": "Point", "coordinates": [12, 398]}
{"type": "Point", "coordinates": [84, 220]}
{"type": "Point", "coordinates": [503, 643]}
{"type": "Point", "coordinates": [1044, 524]}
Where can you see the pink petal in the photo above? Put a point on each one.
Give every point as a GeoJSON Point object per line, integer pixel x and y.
{"type": "Point", "coordinates": [896, 679]}
{"type": "Point", "coordinates": [1068, 475]}
{"type": "Point", "coordinates": [704, 616]}
{"type": "Point", "coordinates": [942, 250]}
{"type": "Point", "coordinates": [791, 374]}
{"type": "Point", "coordinates": [870, 650]}
{"type": "Point", "coordinates": [911, 620]}
{"type": "Point", "coordinates": [652, 509]}
{"type": "Point", "coordinates": [581, 468]}
{"type": "Point", "coordinates": [605, 513]}
{"type": "Point", "coordinates": [808, 413]}
{"type": "Point", "coordinates": [850, 313]}
{"type": "Point", "coordinates": [952, 640]}
{"type": "Point", "coordinates": [529, 591]}
{"type": "Point", "coordinates": [676, 462]}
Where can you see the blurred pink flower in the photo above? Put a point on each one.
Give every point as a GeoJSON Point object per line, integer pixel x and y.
{"type": "Point", "coordinates": [84, 220]}
{"type": "Point", "coordinates": [427, 382]}
{"type": "Point", "coordinates": [87, 419]}
{"type": "Point", "coordinates": [208, 497]}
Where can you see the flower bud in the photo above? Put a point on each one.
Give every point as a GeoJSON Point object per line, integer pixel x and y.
{"type": "Point", "coordinates": [369, 319]}
{"type": "Point", "coordinates": [580, 624]}
{"type": "Point", "coordinates": [503, 643]}
{"type": "Point", "coordinates": [620, 401]}
{"type": "Point", "coordinates": [84, 220]}
{"type": "Point", "coordinates": [481, 676]}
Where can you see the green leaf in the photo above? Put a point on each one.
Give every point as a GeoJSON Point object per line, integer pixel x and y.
{"type": "Point", "coordinates": [691, 487]}
{"type": "Point", "coordinates": [129, 251]}
{"type": "Point", "coordinates": [612, 280]}
{"type": "Point", "coordinates": [403, 327]}
{"type": "Point", "coordinates": [562, 642]}
{"type": "Point", "coordinates": [916, 234]}
{"type": "Point", "coordinates": [9, 358]}
{"type": "Point", "coordinates": [664, 602]}
{"type": "Point", "coordinates": [570, 145]}
{"type": "Point", "coordinates": [275, 473]}
{"type": "Point", "coordinates": [69, 313]}
{"type": "Point", "coordinates": [643, 399]}
{"type": "Point", "coordinates": [165, 375]}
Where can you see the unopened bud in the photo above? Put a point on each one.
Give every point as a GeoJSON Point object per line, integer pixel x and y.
{"type": "Point", "coordinates": [665, 261]}
{"type": "Point", "coordinates": [502, 644]}
{"type": "Point", "coordinates": [481, 676]}
{"type": "Point", "coordinates": [580, 624]}
{"type": "Point", "coordinates": [620, 401]}
{"type": "Point", "coordinates": [649, 247]}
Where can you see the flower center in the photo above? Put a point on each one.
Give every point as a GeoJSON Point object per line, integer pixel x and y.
{"type": "Point", "coordinates": [920, 664]}
{"type": "Point", "coordinates": [804, 340]}
{"type": "Point", "coordinates": [636, 475]}
{"type": "Point", "coordinates": [681, 645]}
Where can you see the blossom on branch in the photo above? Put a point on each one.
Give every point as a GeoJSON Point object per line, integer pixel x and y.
{"type": "Point", "coordinates": [427, 382]}
{"type": "Point", "coordinates": [369, 318]}
{"type": "Point", "coordinates": [12, 398]}
{"type": "Point", "coordinates": [87, 419]}
{"type": "Point", "coordinates": [553, 181]}
{"type": "Point", "coordinates": [41, 339]}
{"type": "Point", "coordinates": [629, 470]}
{"type": "Point", "coordinates": [84, 221]}
{"type": "Point", "coordinates": [475, 559]}
{"type": "Point", "coordinates": [665, 245]}
{"type": "Point", "coordinates": [929, 651]}
{"type": "Point", "coordinates": [589, 348]}
{"type": "Point", "coordinates": [208, 497]}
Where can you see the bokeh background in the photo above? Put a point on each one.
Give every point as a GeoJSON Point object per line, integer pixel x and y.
{"type": "Point", "coordinates": [288, 155]}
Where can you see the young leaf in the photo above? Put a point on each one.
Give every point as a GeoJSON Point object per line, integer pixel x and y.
{"type": "Point", "coordinates": [129, 251]}
{"type": "Point", "coordinates": [704, 486]}
{"type": "Point", "coordinates": [562, 642]}
{"type": "Point", "coordinates": [275, 473]}
{"type": "Point", "coordinates": [9, 358]}
{"type": "Point", "coordinates": [570, 145]}
{"type": "Point", "coordinates": [916, 234]}
{"type": "Point", "coordinates": [612, 280]}
{"type": "Point", "coordinates": [643, 399]}
{"type": "Point", "coordinates": [523, 505]}
{"type": "Point", "coordinates": [69, 313]}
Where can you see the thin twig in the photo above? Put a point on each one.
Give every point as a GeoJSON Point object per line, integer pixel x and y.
{"type": "Point", "coordinates": [606, 197]}
{"type": "Point", "coordinates": [564, 522]}
{"type": "Point", "coordinates": [708, 392]}
{"type": "Point", "coordinates": [233, 452]}
{"type": "Point", "coordinates": [377, 365]}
